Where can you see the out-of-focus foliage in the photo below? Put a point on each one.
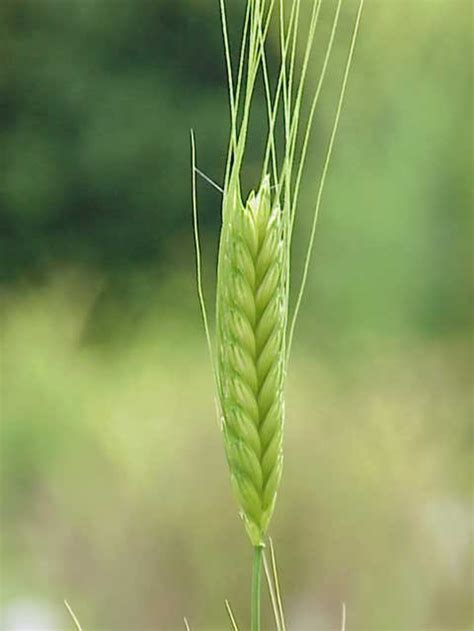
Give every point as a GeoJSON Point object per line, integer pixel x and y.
{"type": "Point", "coordinates": [115, 492]}
{"type": "Point", "coordinates": [97, 102]}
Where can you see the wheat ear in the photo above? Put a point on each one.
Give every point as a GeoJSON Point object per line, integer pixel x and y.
{"type": "Point", "coordinates": [251, 308]}
{"type": "Point", "coordinates": [253, 328]}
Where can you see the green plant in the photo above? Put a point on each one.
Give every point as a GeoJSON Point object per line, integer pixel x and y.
{"type": "Point", "coordinates": [251, 314]}
{"type": "Point", "coordinates": [254, 330]}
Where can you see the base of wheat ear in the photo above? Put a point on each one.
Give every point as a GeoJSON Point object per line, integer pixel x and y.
{"type": "Point", "coordinates": [251, 319]}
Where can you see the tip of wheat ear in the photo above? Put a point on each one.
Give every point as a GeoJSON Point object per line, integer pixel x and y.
{"type": "Point", "coordinates": [251, 317]}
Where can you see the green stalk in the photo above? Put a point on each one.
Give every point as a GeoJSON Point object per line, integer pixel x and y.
{"type": "Point", "coordinates": [256, 583]}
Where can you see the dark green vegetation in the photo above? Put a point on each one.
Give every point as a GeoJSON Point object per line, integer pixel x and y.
{"type": "Point", "coordinates": [97, 102]}
{"type": "Point", "coordinates": [115, 492]}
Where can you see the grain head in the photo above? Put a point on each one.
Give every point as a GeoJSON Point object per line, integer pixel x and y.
{"type": "Point", "coordinates": [251, 319]}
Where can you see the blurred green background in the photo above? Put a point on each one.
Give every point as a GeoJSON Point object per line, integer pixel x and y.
{"type": "Point", "coordinates": [115, 493]}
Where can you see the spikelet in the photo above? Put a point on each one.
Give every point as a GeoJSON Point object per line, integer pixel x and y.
{"type": "Point", "coordinates": [251, 320]}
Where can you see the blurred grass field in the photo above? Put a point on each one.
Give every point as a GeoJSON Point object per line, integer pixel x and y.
{"type": "Point", "coordinates": [114, 487]}
{"type": "Point", "coordinates": [118, 496]}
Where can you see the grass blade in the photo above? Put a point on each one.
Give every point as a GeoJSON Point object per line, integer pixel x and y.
{"type": "Point", "coordinates": [276, 581]}
{"type": "Point", "coordinates": [197, 244]}
{"type": "Point", "coordinates": [73, 615]}
{"type": "Point", "coordinates": [231, 616]}
{"type": "Point", "coordinates": [271, 590]}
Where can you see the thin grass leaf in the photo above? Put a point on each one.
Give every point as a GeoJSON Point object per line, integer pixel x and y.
{"type": "Point", "coordinates": [209, 180]}
{"type": "Point", "coordinates": [231, 616]}
{"type": "Point", "coordinates": [271, 591]}
{"type": "Point", "coordinates": [276, 580]}
{"type": "Point", "coordinates": [197, 244]}
{"type": "Point", "coordinates": [186, 624]}
{"type": "Point", "coordinates": [73, 615]}
{"type": "Point", "coordinates": [343, 625]}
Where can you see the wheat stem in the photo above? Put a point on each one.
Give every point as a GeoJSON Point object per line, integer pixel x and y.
{"type": "Point", "coordinates": [256, 588]}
